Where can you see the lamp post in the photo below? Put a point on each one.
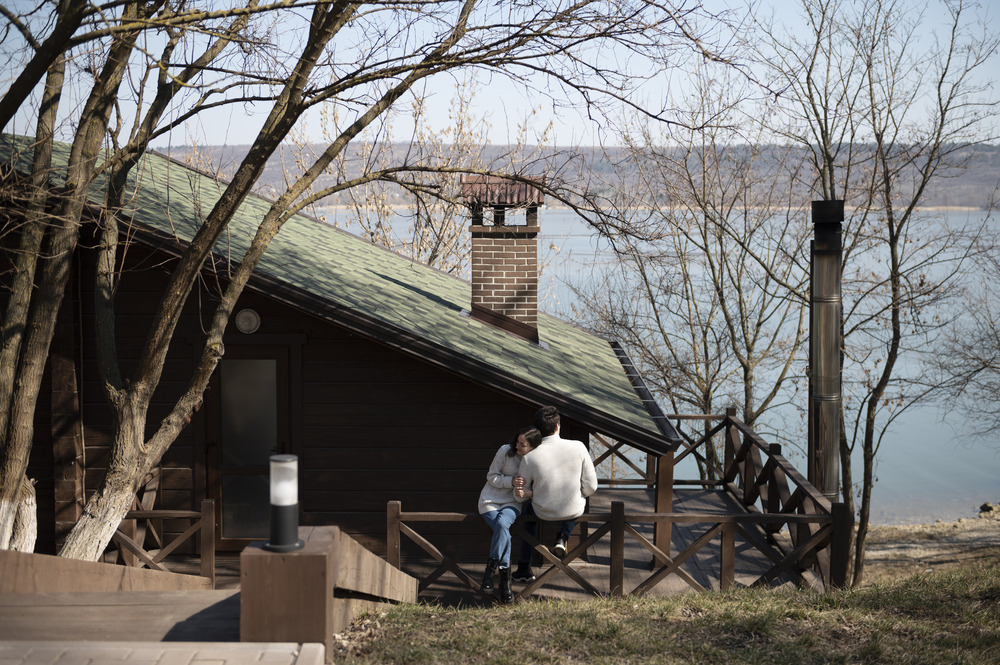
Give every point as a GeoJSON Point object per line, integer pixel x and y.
{"type": "Point", "coordinates": [284, 505]}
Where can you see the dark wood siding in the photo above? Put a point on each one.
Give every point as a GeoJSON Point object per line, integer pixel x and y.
{"type": "Point", "coordinates": [140, 289]}
{"type": "Point", "coordinates": [380, 426]}
{"type": "Point", "coordinates": [369, 423]}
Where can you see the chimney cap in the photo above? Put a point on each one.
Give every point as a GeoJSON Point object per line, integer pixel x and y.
{"type": "Point", "coordinates": [490, 190]}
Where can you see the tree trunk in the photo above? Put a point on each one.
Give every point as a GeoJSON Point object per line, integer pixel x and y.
{"type": "Point", "coordinates": [846, 472]}
{"type": "Point", "coordinates": [106, 507]}
{"type": "Point", "coordinates": [26, 521]}
{"type": "Point", "coordinates": [16, 317]}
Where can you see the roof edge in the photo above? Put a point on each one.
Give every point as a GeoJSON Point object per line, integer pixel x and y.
{"type": "Point", "coordinates": [646, 397]}
{"type": "Point", "coordinates": [649, 440]}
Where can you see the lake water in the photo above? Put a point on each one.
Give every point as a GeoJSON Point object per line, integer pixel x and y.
{"type": "Point", "coordinates": [926, 470]}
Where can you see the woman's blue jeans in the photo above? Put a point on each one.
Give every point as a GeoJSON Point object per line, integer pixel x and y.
{"type": "Point", "coordinates": [500, 521]}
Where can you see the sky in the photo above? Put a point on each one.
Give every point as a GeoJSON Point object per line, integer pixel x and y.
{"type": "Point", "coordinates": [506, 107]}
{"type": "Point", "coordinates": [503, 106]}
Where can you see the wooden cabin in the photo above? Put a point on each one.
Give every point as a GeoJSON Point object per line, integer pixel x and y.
{"type": "Point", "coordinates": [383, 375]}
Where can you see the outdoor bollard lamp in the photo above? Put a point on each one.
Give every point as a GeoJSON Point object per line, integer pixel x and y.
{"type": "Point", "coordinates": [284, 505]}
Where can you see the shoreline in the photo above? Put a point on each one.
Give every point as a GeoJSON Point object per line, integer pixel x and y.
{"type": "Point", "coordinates": [340, 207]}
{"type": "Point", "coordinates": [892, 552]}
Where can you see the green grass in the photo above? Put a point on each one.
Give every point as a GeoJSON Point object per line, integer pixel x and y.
{"type": "Point", "coordinates": [937, 618]}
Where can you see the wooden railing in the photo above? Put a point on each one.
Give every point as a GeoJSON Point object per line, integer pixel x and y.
{"type": "Point", "coordinates": [615, 453]}
{"type": "Point", "coordinates": [781, 515]}
{"type": "Point", "coordinates": [142, 542]}
{"type": "Point", "coordinates": [759, 476]}
{"type": "Point", "coordinates": [618, 524]}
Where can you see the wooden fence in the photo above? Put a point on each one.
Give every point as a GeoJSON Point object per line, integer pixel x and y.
{"type": "Point", "coordinates": [781, 515]}
{"type": "Point", "coordinates": [618, 525]}
{"type": "Point", "coordinates": [759, 476]}
{"type": "Point", "coordinates": [142, 542]}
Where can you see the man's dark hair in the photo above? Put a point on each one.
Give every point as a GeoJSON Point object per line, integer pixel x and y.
{"type": "Point", "coordinates": [547, 420]}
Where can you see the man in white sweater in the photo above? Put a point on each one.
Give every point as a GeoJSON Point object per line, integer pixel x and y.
{"type": "Point", "coordinates": [557, 476]}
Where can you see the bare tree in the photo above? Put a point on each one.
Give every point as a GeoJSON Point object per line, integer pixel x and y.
{"type": "Point", "coordinates": [967, 362]}
{"type": "Point", "coordinates": [882, 114]}
{"type": "Point", "coordinates": [172, 61]}
{"type": "Point", "coordinates": [424, 216]}
{"type": "Point", "coordinates": [699, 312]}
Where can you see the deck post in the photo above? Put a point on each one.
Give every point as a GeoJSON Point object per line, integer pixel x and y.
{"type": "Point", "coordinates": [288, 596]}
{"type": "Point", "coordinates": [727, 552]}
{"type": "Point", "coordinates": [130, 528]}
{"type": "Point", "coordinates": [207, 544]}
{"type": "Point", "coordinates": [617, 548]}
{"type": "Point", "coordinates": [664, 503]}
{"type": "Point", "coordinates": [392, 512]}
{"type": "Point", "coordinates": [773, 498]}
{"type": "Point", "coordinates": [732, 447]}
{"type": "Point", "coordinates": [840, 544]}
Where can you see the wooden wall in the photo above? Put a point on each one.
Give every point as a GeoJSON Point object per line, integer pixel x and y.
{"type": "Point", "coordinates": [23, 572]}
{"type": "Point", "coordinates": [140, 289]}
{"type": "Point", "coordinates": [370, 424]}
{"type": "Point", "coordinates": [378, 426]}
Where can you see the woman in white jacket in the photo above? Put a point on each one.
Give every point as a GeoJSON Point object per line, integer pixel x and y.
{"type": "Point", "coordinates": [499, 508]}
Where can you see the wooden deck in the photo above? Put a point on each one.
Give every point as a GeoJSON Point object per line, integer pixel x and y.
{"type": "Point", "coordinates": [303, 596]}
{"type": "Point", "coordinates": [214, 615]}
{"type": "Point", "coordinates": [703, 566]}
{"type": "Point", "coordinates": [121, 616]}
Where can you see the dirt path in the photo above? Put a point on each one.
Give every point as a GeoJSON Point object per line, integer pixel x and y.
{"type": "Point", "coordinates": [894, 551]}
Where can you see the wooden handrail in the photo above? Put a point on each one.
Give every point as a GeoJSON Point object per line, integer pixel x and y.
{"type": "Point", "coordinates": [134, 554]}
{"type": "Point", "coordinates": [763, 480]}
{"type": "Point", "coordinates": [782, 463]}
{"type": "Point", "coordinates": [618, 524]}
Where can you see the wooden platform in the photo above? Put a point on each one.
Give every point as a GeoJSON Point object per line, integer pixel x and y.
{"type": "Point", "coordinates": [132, 616]}
{"type": "Point", "coordinates": [195, 616]}
{"type": "Point", "coordinates": [703, 567]}
{"type": "Point", "coordinates": [297, 597]}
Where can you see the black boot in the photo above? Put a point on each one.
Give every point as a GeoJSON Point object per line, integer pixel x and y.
{"type": "Point", "coordinates": [491, 569]}
{"type": "Point", "coordinates": [506, 595]}
{"type": "Point", "coordinates": [523, 573]}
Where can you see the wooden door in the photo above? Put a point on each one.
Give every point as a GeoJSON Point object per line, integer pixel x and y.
{"type": "Point", "coordinates": [248, 421]}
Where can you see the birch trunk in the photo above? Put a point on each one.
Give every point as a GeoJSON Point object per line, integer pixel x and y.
{"type": "Point", "coordinates": [105, 508]}
{"type": "Point", "coordinates": [26, 521]}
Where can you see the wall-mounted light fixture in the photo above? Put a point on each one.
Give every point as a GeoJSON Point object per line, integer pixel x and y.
{"type": "Point", "coordinates": [247, 321]}
{"type": "Point", "coordinates": [284, 505]}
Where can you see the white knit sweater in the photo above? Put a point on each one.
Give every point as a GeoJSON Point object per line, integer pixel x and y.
{"type": "Point", "coordinates": [560, 475]}
{"type": "Point", "coordinates": [498, 490]}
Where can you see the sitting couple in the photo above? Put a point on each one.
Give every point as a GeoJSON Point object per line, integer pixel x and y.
{"type": "Point", "coordinates": [555, 474]}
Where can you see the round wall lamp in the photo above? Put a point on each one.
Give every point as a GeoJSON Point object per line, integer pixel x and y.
{"type": "Point", "coordinates": [247, 321]}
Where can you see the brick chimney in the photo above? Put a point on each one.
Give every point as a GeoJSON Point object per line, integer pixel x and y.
{"type": "Point", "coordinates": [504, 257]}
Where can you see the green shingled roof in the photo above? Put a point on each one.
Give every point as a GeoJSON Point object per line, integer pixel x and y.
{"type": "Point", "coordinates": [340, 270]}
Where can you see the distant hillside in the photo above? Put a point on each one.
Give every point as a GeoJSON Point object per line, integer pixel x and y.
{"type": "Point", "coordinates": [974, 186]}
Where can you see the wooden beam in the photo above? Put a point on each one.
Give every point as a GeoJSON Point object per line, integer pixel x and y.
{"type": "Point", "coordinates": [617, 547]}
{"type": "Point", "coordinates": [23, 572]}
{"type": "Point", "coordinates": [663, 503]}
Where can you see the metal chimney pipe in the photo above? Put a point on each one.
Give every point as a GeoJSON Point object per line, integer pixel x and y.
{"type": "Point", "coordinates": [825, 313]}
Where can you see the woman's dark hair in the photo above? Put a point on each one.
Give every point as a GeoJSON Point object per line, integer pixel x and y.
{"type": "Point", "coordinates": [531, 435]}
